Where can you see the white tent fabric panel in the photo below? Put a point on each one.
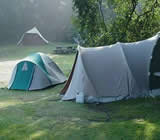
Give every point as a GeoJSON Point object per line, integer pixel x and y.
{"type": "Point", "coordinates": [39, 80]}
{"type": "Point", "coordinates": [79, 83]}
{"type": "Point", "coordinates": [54, 73]}
{"type": "Point", "coordinates": [138, 56]}
{"type": "Point", "coordinates": [107, 73]}
{"type": "Point", "coordinates": [99, 83]}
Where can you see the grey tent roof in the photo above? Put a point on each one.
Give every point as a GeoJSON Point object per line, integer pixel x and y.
{"type": "Point", "coordinates": [116, 71]}
{"type": "Point", "coordinates": [33, 31]}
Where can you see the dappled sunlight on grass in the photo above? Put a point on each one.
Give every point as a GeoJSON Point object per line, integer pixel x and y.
{"type": "Point", "coordinates": [67, 120]}
{"type": "Point", "coordinates": [55, 56]}
{"type": "Point", "coordinates": [76, 119]}
{"type": "Point", "coordinates": [41, 99]}
{"type": "Point", "coordinates": [4, 104]}
{"type": "Point", "coordinates": [38, 134]}
{"type": "Point", "coordinates": [36, 122]}
{"type": "Point", "coordinates": [71, 125]}
{"type": "Point", "coordinates": [149, 128]}
{"type": "Point", "coordinates": [94, 125]}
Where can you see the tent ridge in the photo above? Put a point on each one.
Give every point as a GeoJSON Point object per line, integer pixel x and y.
{"type": "Point", "coordinates": [130, 72]}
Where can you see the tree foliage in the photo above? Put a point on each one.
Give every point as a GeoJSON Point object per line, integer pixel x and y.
{"type": "Point", "coordinates": [128, 20]}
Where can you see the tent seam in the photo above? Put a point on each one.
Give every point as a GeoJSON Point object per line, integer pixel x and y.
{"type": "Point", "coordinates": [121, 44]}
{"type": "Point", "coordinates": [87, 73]}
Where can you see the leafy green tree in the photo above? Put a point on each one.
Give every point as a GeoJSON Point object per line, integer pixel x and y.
{"type": "Point", "coordinates": [127, 20]}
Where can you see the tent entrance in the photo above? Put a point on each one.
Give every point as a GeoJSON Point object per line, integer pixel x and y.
{"type": "Point", "coordinates": [23, 77]}
{"type": "Point", "coordinates": [33, 39]}
{"type": "Point", "coordinates": [155, 68]}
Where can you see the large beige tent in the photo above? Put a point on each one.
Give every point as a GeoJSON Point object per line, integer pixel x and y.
{"type": "Point", "coordinates": [32, 37]}
{"type": "Point", "coordinates": [110, 73]}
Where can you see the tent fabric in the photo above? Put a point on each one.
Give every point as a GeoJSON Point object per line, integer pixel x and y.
{"type": "Point", "coordinates": [58, 74]}
{"type": "Point", "coordinates": [37, 59]}
{"type": "Point", "coordinates": [39, 80]}
{"type": "Point", "coordinates": [36, 71]}
{"type": "Point", "coordinates": [32, 37]}
{"type": "Point", "coordinates": [23, 83]}
{"type": "Point", "coordinates": [138, 56]}
{"type": "Point", "coordinates": [111, 73]}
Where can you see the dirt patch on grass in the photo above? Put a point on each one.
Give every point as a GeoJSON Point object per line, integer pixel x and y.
{"type": "Point", "coordinates": [6, 68]}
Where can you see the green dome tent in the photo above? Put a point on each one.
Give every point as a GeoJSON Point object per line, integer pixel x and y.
{"type": "Point", "coordinates": [36, 71]}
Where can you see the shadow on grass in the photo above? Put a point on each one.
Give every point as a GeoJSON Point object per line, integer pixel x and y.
{"type": "Point", "coordinates": [40, 115]}
{"type": "Point", "coordinates": [142, 108]}
{"type": "Point", "coordinates": [52, 128]}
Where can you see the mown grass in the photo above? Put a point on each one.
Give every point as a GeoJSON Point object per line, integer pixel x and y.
{"type": "Point", "coordinates": [40, 115]}
{"type": "Point", "coordinates": [13, 52]}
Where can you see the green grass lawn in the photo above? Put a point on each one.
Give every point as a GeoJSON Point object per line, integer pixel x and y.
{"type": "Point", "coordinates": [40, 115]}
{"type": "Point", "coordinates": [12, 52]}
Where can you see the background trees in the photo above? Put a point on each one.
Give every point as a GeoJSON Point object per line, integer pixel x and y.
{"type": "Point", "coordinates": [98, 22]}
{"type": "Point", "coordinates": [102, 22]}
{"type": "Point", "coordinates": [52, 17]}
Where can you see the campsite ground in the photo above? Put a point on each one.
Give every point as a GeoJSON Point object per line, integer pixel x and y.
{"type": "Point", "coordinates": [41, 115]}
